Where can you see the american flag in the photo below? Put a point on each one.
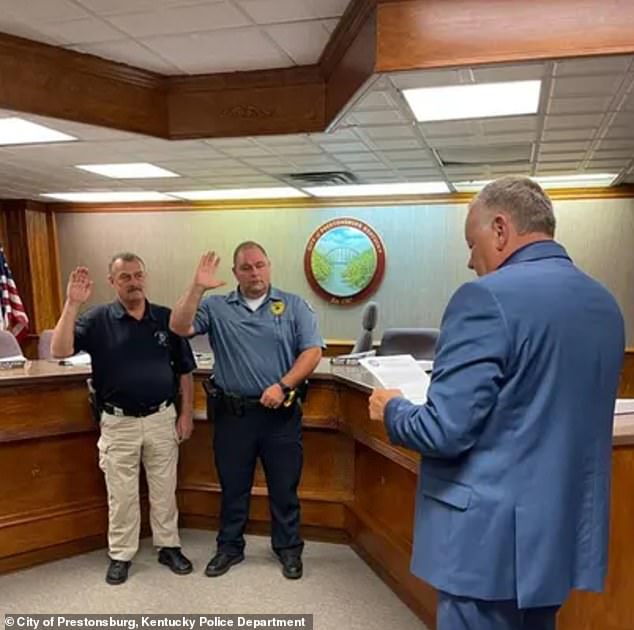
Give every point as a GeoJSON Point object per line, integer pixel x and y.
{"type": "Point", "coordinates": [14, 317]}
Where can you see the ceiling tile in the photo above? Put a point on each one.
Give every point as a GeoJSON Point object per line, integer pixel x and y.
{"type": "Point", "coordinates": [586, 85]}
{"type": "Point", "coordinates": [495, 74]}
{"type": "Point", "coordinates": [302, 41]}
{"type": "Point", "coordinates": [219, 51]}
{"type": "Point", "coordinates": [598, 65]}
{"type": "Point", "coordinates": [344, 147]}
{"type": "Point", "coordinates": [377, 118]}
{"type": "Point", "coordinates": [180, 19]}
{"type": "Point", "coordinates": [425, 78]}
{"type": "Point", "coordinates": [579, 104]}
{"type": "Point", "coordinates": [129, 52]}
{"type": "Point", "coordinates": [113, 7]}
{"type": "Point", "coordinates": [563, 147]}
{"type": "Point", "coordinates": [293, 150]}
{"type": "Point", "coordinates": [78, 31]}
{"type": "Point", "coordinates": [27, 30]}
{"type": "Point", "coordinates": [275, 11]}
{"type": "Point", "coordinates": [552, 135]}
{"type": "Point", "coordinates": [392, 145]}
{"type": "Point", "coordinates": [391, 132]}
{"type": "Point", "coordinates": [43, 10]}
{"type": "Point", "coordinates": [375, 100]}
{"type": "Point", "coordinates": [571, 121]}
{"type": "Point", "coordinates": [510, 124]}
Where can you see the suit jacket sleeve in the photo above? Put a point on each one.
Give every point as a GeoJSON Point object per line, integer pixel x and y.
{"type": "Point", "coordinates": [469, 370]}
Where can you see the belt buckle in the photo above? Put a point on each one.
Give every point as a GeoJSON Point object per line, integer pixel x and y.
{"type": "Point", "coordinates": [117, 412]}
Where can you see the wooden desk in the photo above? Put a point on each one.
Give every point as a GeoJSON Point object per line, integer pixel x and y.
{"type": "Point", "coordinates": [355, 488]}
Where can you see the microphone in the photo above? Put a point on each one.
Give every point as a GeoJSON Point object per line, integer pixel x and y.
{"type": "Point", "coordinates": [370, 316]}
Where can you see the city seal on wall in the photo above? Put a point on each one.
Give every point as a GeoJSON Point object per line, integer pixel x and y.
{"type": "Point", "coordinates": [344, 261]}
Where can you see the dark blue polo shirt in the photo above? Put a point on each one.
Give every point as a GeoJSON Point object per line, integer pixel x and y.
{"type": "Point", "coordinates": [135, 363]}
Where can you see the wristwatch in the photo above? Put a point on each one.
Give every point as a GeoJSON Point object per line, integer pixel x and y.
{"type": "Point", "coordinates": [286, 389]}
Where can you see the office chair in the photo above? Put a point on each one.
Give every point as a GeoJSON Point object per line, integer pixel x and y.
{"type": "Point", "coordinates": [368, 322]}
{"type": "Point", "coordinates": [44, 344]}
{"type": "Point", "coordinates": [9, 346]}
{"type": "Point", "coordinates": [419, 342]}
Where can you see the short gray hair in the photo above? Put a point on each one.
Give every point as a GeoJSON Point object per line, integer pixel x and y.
{"type": "Point", "coordinates": [125, 257]}
{"type": "Point", "coordinates": [247, 245]}
{"type": "Point", "coordinates": [524, 200]}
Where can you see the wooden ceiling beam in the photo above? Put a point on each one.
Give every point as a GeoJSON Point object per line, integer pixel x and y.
{"type": "Point", "coordinates": [423, 34]}
{"type": "Point", "coordinates": [373, 36]}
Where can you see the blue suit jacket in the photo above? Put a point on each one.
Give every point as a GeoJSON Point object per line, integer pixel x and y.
{"type": "Point", "coordinates": [516, 435]}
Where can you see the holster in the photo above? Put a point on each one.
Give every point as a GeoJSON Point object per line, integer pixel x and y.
{"type": "Point", "coordinates": [215, 398]}
{"type": "Point", "coordinates": [95, 409]}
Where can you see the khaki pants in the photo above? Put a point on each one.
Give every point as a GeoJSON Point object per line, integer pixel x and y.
{"type": "Point", "coordinates": [124, 443]}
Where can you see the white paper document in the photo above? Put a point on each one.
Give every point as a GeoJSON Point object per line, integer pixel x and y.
{"type": "Point", "coordinates": [402, 372]}
{"type": "Point", "coordinates": [624, 406]}
{"type": "Point", "coordinates": [81, 358]}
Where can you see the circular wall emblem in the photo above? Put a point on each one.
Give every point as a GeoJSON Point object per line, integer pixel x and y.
{"type": "Point", "coordinates": [344, 261]}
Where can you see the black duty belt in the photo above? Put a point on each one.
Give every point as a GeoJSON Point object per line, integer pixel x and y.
{"type": "Point", "coordinates": [139, 412]}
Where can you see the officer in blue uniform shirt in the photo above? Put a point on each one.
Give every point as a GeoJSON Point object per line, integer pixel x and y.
{"type": "Point", "coordinates": [513, 497]}
{"type": "Point", "coordinates": [265, 343]}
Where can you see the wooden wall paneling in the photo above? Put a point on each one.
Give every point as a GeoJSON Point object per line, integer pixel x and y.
{"type": "Point", "coordinates": [52, 81]}
{"type": "Point", "coordinates": [420, 34]}
{"type": "Point", "coordinates": [34, 260]}
{"type": "Point", "coordinates": [39, 476]}
{"type": "Point", "coordinates": [41, 410]}
{"type": "Point", "coordinates": [326, 476]}
{"type": "Point", "coordinates": [3, 230]}
{"type": "Point", "coordinates": [58, 284]}
{"type": "Point", "coordinates": [626, 386]}
{"type": "Point", "coordinates": [17, 250]}
{"type": "Point", "coordinates": [44, 271]}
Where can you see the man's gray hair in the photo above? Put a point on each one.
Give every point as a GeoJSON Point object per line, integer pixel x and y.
{"type": "Point", "coordinates": [247, 245]}
{"type": "Point", "coordinates": [125, 257]}
{"type": "Point", "coordinates": [524, 200]}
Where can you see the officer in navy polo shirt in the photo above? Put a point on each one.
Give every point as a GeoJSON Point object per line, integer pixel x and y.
{"type": "Point", "coordinates": [139, 367]}
{"type": "Point", "coordinates": [265, 343]}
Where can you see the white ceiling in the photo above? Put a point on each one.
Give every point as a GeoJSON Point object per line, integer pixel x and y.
{"type": "Point", "coordinates": [181, 36]}
{"type": "Point", "coordinates": [585, 124]}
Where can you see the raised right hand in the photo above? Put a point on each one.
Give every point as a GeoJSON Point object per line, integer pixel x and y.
{"type": "Point", "coordinates": [205, 277]}
{"type": "Point", "coordinates": [79, 286]}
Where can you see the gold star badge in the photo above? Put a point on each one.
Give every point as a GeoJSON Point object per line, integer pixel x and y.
{"type": "Point", "coordinates": [277, 308]}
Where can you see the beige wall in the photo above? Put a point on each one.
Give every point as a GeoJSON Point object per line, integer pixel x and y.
{"type": "Point", "coordinates": [426, 254]}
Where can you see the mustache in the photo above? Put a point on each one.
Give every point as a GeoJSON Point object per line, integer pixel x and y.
{"type": "Point", "coordinates": [131, 289]}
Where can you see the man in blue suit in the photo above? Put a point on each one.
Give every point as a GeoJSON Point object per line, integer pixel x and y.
{"type": "Point", "coordinates": [516, 434]}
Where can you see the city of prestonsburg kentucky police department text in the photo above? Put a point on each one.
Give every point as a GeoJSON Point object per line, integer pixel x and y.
{"type": "Point", "coordinates": [189, 623]}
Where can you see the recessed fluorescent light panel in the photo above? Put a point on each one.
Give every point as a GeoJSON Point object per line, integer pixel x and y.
{"type": "Point", "coordinates": [20, 131]}
{"type": "Point", "coordinates": [550, 182]}
{"type": "Point", "coordinates": [108, 197]}
{"type": "Point", "coordinates": [376, 190]}
{"type": "Point", "coordinates": [483, 100]}
{"type": "Point", "coordinates": [580, 180]}
{"type": "Point", "coordinates": [135, 170]}
{"type": "Point", "coordinates": [241, 193]}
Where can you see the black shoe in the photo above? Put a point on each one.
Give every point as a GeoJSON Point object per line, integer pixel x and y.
{"type": "Point", "coordinates": [292, 567]}
{"type": "Point", "coordinates": [175, 560]}
{"type": "Point", "coordinates": [221, 563]}
{"type": "Point", "coordinates": [117, 572]}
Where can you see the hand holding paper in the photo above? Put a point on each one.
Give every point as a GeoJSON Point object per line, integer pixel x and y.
{"type": "Point", "coordinates": [380, 397]}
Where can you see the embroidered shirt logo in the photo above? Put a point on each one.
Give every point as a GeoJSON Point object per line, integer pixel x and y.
{"type": "Point", "coordinates": [162, 338]}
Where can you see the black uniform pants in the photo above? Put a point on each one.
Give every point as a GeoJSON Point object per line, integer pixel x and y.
{"type": "Point", "coordinates": [275, 436]}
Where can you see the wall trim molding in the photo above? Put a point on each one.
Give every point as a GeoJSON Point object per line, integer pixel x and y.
{"type": "Point", "coordinates": [570, 194]}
